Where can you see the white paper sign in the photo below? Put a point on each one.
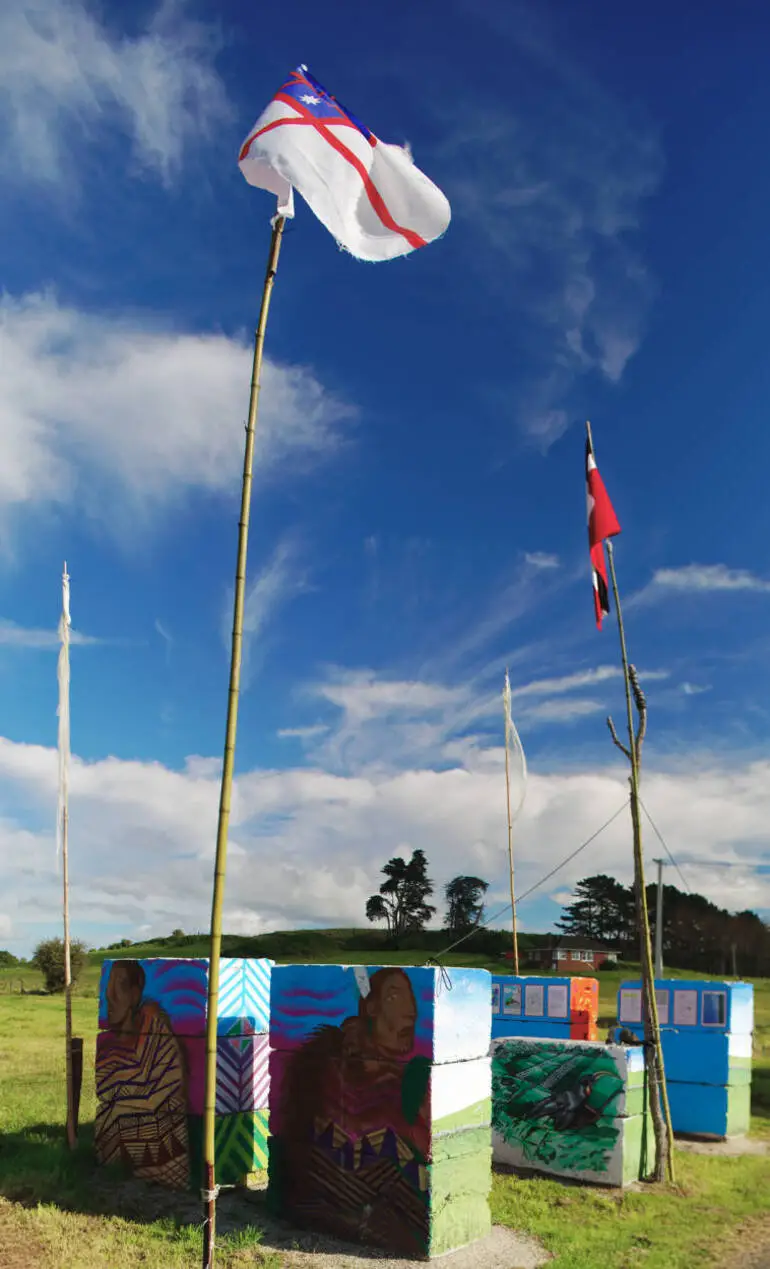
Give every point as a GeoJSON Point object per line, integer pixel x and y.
{"type": "Point", "coordinates": [558, 1001]}
{"type": "Point", "coordinates": [512, 1000]}
{"type": "Point", "coordinates": [661, 995]}
{"type": "Point", "coordinates": [533, 1000]}
{"type": "Point", "coordinates": [685, 1008]}
{"type": "Point", "coordinates": [630, 1005]}
{"type": "Point", "coordinates": [495, 998]}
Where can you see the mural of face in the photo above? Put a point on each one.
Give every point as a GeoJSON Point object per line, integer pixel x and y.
{"type": "Point", "coordinates": [392, 1010]}
{"type": "Point", "coordinates": [124, 993]}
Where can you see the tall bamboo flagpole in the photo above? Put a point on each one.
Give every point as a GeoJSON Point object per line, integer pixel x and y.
{"type": "Point", "coordinates": [210, 1190]}
{"type": "Point", "coordinates": [650, 1003]}
{"type": "Point", "coordinates": [510, 731]}
{"type": "Point", "coordinates": [62, 823]}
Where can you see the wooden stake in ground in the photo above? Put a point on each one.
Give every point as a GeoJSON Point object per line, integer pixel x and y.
{"type": "Point", "coordinates": [508, 727]}
{"type": "Point", "coordinates": [661, 1114]}
{"type": "Point", "coordinates": [656, 1078]}
{"type": "Point", "coordinates": [63, 675]}
{"type": "Point", "coordinates": [210, 1191]}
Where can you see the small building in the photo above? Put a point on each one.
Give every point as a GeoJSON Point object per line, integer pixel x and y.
{"type": "Point", "coordinates": [570, 954]}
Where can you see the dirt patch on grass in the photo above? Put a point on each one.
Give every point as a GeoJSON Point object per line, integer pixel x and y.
{"type": "Point", "coordinates": [18, 1247]}
{"type": "Point", "coordinates": [749, 1248]}
{"type": "Point", "coordinates": [503, 1249]}
{"type": "Point", "coordinates": [731, 1148]}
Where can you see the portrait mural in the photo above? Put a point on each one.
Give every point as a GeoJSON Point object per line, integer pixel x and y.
{"type": "Point", "coordinates": [358, 1093]}
{"type": "Point", "coordinates": [150, 1068]}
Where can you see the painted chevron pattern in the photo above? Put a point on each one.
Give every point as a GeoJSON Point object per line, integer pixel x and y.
{"type": "Point", "coordinates": [244, 993]}
{"type": "Point", "coordinates": [241, 1145]}
{"type": "Point", "coordinates": [243, 1078]}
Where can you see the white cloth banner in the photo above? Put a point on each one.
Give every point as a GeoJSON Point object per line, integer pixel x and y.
{"type": "Point", "coordinates": [369, 195]}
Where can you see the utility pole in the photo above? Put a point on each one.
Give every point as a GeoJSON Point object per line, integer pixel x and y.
{"type": "Point", "coordinates": [659, 921]}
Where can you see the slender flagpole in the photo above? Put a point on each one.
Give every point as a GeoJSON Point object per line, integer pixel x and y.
{"type": "Point", "coordinates": [209, 1193]}
{"type": "Point", "coordinates": [652, 1024]}
{"type": "Point", "coordinates": [63, 674]}
{"type": "Point", "coordinates": [507, 708]}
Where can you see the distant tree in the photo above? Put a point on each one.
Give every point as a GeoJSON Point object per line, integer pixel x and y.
{"type": "Point", "coordinates": [602, 911]}
{"type": "Point", "coordinates": [48, 957]}
{"type": "Point", "coordinates": [177, 934]}
{"type": "Point", "coordinates": [465, 903]}
{"type": "Point", "coordinates": [403, 898]}
{"type": "Point", "coordinates": [7, 959]}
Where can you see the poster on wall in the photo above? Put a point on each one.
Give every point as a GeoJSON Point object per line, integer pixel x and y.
{"type": "Point", "coordinates": [685, 1008]}
{"type": "Point", "coordinates": [558, 1001]}
{"type": "Point", "coordinates": [512, 999]}
{"type": "Point", "coordinates": [661, 995]}
{"type": "Point", "coordinates": [714, 1009]}
{"type": "Point", "coordinates": [495, 998]}
{"type": "Point", "coordinates": [534, 1006]}
{"type": "Point", "coordinates": [630, 1005]}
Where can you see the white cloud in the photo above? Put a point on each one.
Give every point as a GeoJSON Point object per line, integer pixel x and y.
{"type": "Point", "coordinates": [14, 636]}
{"type": "Point", "coordinates": [541, 559]}
{"type": "Point", "coordinates": [308, 844]}
{"type": "Point", "coordinates": [561, 711]}
{"type": "Point", "coordinates": [66, 79]}
{"type": "Point", "coordinates": [695, 689]}
{"type": "Point", "coordinates": [700, 579]}
{"type": "Point", "coordinates": [121, 418]}
{"type": "Point", "coordinates": [266, 594]}
{"type": "Point", "coordinates": [302, 733]}
{"type": "Point", "coordinates": [556, 194]}
{"type": "Point", "coordinates": [6, 926]}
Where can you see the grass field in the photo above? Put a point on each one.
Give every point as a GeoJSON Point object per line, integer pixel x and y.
{"type": "Point", "coordinates": [59, 1211]}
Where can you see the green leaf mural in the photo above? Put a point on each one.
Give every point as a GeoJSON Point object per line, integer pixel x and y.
{"type": "Point", "coordinates": [557, 1103]}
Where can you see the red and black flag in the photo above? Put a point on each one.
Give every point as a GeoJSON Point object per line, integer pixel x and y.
{"type": "Point", "coordinates": [602, 523]}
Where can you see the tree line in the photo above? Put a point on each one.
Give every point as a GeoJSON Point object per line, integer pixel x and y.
{"type": "Point", "coordinates": [697, 934]}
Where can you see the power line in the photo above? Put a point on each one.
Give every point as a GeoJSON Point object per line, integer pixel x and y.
{"type": "Point", "coordinates": [662, 841]}
{"type": "Point", "coordinates": [541, 882]}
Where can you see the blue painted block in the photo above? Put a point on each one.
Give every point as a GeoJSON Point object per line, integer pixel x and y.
{"type": "Point", "coordinates": [530, 1029]}
{"type": "Point", "coordinates": [405, 1011]}
{"type": "Point", "coordinates": [705, 1110]}
{"type": "Point", "coordinates": [694, 1005]}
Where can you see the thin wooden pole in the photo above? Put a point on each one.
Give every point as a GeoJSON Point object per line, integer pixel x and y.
{"type": "Point", "coordinates": [209, 1193]}
{"type": "Point", "coordinates": [64, 831]}
{"type": "Point", "coordinates": [661, 1112]}
{"type": "Point", "coordinates": [514, 934]}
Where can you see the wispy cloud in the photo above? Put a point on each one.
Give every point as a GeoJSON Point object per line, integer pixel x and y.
{"type": "Point", "coordinates": [541, 559]}
{"type": "Point", "coordinates": [700, 579]}
{"type": "Point", "coordinates": [556, 193]}
{"type": "Point", "coordinates": [67, 77]}
{"type": "Point", "coordinates": [165, 636]}
{"type": "Point", "coordinates": [14, 636]}
{"type": "Point", "coordinates": [582, 678]}
{"type": "Point", "coordinates": [695, 689]}
{"type": "Point", "coordinates": [560, 711]}
{"type": "Point", "coordinates": [305, 734]}
{"type": "Point", "coordinates": [279, 581]}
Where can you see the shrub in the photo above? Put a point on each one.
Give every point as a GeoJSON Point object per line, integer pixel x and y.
{"type": "Point", "coordinates": [609, 964]}
{"type": "Point", "coordinates": [49, 959]}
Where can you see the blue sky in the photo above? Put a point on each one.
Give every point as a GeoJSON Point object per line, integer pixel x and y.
{"type": "Point", "coordinates": [419, 505]}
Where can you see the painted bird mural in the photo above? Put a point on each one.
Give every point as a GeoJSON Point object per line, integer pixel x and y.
{"type": "Point", "coordinates": [569, 1109]}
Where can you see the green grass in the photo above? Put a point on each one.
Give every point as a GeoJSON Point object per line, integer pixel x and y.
{"type": "Point", "coordinates": [59, 1210]}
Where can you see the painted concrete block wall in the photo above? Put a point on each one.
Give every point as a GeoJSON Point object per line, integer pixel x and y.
{"type": "Point", "coordinates": [151, 1061]}
{"type": "Point", "coordinates": [552, 1008]}
{"type": "Point", "coordinates": [380, 1104]}
{"type": "Point", "coordinates": [569, 1108]}
{"type": "Point", "coordinates": [706, 1031]}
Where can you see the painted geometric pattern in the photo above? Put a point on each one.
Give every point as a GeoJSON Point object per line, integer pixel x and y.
{"type": "Point", "coordinates": [243, 1078]}
{"type": "Point", "coordinates": [240, 1145]}
{"type": "Point", "coordinates": [244, 994]}
{"type": "Point", "coordinates": [141, 1117]}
